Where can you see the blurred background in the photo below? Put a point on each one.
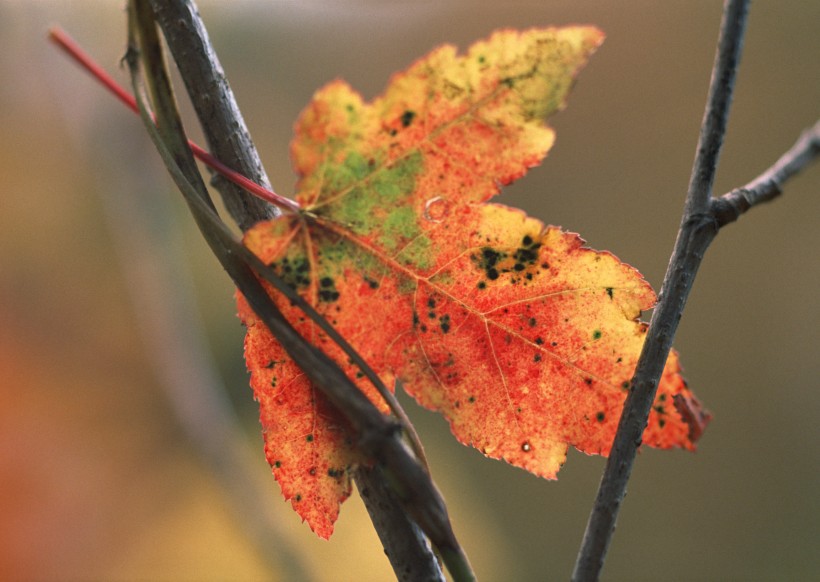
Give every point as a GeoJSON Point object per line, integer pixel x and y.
{"type": "Point", "coordinates": [104, 284]}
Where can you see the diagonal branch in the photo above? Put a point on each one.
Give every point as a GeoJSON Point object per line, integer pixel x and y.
{"type": "Point", "coordinates": [225, 130]}
{"type": "Point", "coordinates": [768, 185]}
{"type": "Point", "coordinates": [378, 437]}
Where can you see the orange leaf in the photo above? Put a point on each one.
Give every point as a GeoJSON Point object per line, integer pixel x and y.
{"type": "Point", "coordinates": [524, 339]}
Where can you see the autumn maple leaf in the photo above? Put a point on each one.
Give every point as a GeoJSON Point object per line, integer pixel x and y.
{"type": "Point", "coordinates": [520, 336]}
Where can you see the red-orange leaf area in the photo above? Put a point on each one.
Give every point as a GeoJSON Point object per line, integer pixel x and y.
{"type": "Point", "coordinates": [520, 336]}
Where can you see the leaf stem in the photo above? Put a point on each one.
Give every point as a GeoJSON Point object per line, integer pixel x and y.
{"type": "Point", "coordinates": [70, 46]}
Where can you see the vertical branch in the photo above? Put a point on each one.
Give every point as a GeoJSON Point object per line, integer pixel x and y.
{"type": "Point", "coordinates": [718, 103]}
{"type": "Point", "coordinates": [698, 229]}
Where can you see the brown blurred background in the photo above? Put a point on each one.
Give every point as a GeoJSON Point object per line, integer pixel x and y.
{"type": "Point", "coordinates": [99, 479]}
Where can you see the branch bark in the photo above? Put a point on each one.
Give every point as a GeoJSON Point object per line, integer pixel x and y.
{"type": "Point", "coordinates": [216, 108]}
{"type": "Point", "coordinates": [697, 231]}
{"type": "Point", "coordinates": [768, 185]}
{"type": "Point", "coordinates": [703, 216]}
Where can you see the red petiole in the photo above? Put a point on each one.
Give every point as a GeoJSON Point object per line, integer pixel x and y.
{"type": "Point", "coordinates": [65, 42]}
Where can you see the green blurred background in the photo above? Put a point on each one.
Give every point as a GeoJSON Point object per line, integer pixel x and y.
{"type": "Point", "coordinates": [98, 477]}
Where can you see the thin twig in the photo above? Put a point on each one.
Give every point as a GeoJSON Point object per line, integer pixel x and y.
{"type": "Point", "coordinates": [768, 185]}
{"type": "Point", "coordinates": [398, 533]}
{"type": "Point", "coordinates": [698, 229]}
{"type": "Point", "coordinates": [377, 435]}
{"type": "Point", "coordinates": [67, 43]}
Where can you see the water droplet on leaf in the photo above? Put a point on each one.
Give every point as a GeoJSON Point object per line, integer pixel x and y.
{"type": "Point", "coordinates": [436, 209]}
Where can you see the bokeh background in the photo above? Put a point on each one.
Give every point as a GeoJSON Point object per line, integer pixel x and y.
{"type": "Point", "coordinates": [102, 472]}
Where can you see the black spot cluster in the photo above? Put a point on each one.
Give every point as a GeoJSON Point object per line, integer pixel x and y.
{"type": "Point", "coordinates": [295, 273]}
{"type": "Point", "coordinates": [527, 253]}
{"type": "Point", "coordinates": [327, 290]}
{"type": "Point", "coordinates": [495, 262]}
{"type": "Point", "coordinates": [443, 319]}
{"type": "Point", "coordinates": [488, 261]}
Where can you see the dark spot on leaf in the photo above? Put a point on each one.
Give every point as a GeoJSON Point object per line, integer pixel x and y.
{"type": "Point", "coordinates": [553, 344]}
{"type": "Point", "coordinates": [293, 273]}
{"type": "Point", "coordinates": [532, 322]}
{"type": "Point", "coordinates": [596, 335]}
{"type": "Point", "coordinates": [609, 292]}
{"type": "Point", "coordinates": [537, 358]}
{"type": "Point", "coordinates": [600, 416]}
{"type": "Point", "coordinates": [662, 397]}
{"type": "Point", "coordinates": [526, 447]}
{"type": "Point", "coordinates": [407, 117]}
{"type": "Point", "coordinates": [482, 285]}
{"type": "Point", "coordinates": [309, 438]}
{"type": "Point", "coordinates": [312, 471]}
{"type": "Point", "coordinates": [539, 341]}
{"type": "Point", "coordinates": [372, 283]}
{"type": "Point", "coordinates": [328, 292]}
{"type": "Point", "coordinates": [393, 132]}
{"type": "Point", "coordinates": [488, 260]}
{"type": "Point", "coordinates": [625, 384]}
{"type": "Point", "coordinates": [659, 409]}
{"type": "Point", "coordinates": [431, 314]}
{"type": "Point", "coordinates": [588, 381]}
{"type": "Point", "coordinates": [277, 464]}
{"type": "Point", "coordinates": [328, 296]}
{"type": "Point", "coordinates": [298, 497]}
{"type": "Point", "coordinates": [471, 399]}
{"type": "Point", "coordinates": [270, 364]}
{"type": "Point", "coordinates": [527, 254]}
{"type": "Point", "coordinates": [661, 422]}
{"type": "Point", "coordinates": [445, 323]}
{"type": "Point", "coordinates": [431, 303]}
{"type": "Point", "coordinates": [415, 319]}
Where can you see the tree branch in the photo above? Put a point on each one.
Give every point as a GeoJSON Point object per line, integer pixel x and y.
{"type": "Point", "coordinates": [412, 557]}
{"type": "Point", "coordinates": [718, 103]}
{"type": "Point", "coordinates": [378, 437]}
{"type": "Point", "coordinates": [216, 108]}
{"type": "Point", "coordinates": [698, 229]}
{"type": "Point", "coordinates": [768, 185]}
